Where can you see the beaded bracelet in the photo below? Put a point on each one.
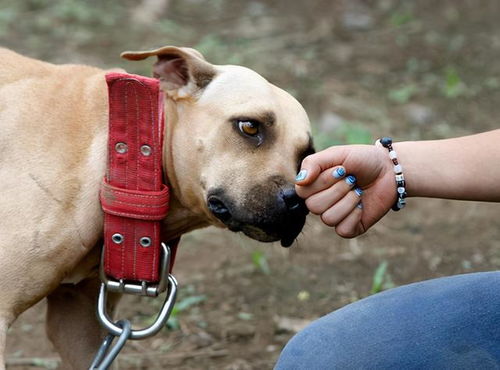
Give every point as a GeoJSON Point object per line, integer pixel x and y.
{"type": "Point", "coordinates": [386, 142]}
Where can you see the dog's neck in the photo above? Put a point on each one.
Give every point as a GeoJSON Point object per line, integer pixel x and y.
{"type": "Point", "coordinates": [180, 218]}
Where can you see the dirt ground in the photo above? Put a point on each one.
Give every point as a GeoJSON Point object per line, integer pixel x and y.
{"type": "Point", "coordinates": [413, 70]}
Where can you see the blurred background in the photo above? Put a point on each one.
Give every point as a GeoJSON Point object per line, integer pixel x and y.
{"type": "Point", "coordinates": [362, 69]}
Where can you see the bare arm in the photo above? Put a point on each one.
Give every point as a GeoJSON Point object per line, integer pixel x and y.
{"type": "Point", "coordinates": [466, 168]}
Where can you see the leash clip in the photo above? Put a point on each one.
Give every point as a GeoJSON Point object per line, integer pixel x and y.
{"type": "Point", "coordinates": [107, 354]}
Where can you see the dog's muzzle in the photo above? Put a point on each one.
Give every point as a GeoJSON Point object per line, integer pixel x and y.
{"type": "Point", "coordinates": [280, 216]}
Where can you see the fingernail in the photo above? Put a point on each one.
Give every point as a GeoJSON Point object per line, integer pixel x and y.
{"type": "Point", "coordinates": [358, 191]}
{"type": "Point", "coordinates": [360, 205]}
{"type": "Point", "coordinates": [350, 180]}
{"type": "Point", "coordinates": [338, 172]}
{"type": "Point", "coordinates": [301, 175]}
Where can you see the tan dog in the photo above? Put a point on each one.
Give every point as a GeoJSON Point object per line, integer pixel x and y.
{"type": "Point", "coordinates": [233, 143]}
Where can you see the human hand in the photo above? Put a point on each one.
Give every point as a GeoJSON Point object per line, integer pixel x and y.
{"type": "Point", "coordinates": [351, 200]}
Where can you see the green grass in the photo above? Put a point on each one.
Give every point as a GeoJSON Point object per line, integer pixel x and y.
{"type": "Point", "coordinates": [349, 132]}
{"type": "Point", "coordinates": [181, 306]}
{"type": "Point", "coordinates": [453, 85]}
{"type": "Point", "coordinates": [403, 94]}
{"type": "Point", "coordinates": [401, 18]}
{"type": "Point", "coordinates": [381, 279]}
{"type": "Point", "coordinates": [259, 260]}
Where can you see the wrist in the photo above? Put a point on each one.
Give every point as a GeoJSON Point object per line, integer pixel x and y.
{"type": "Point", "coordinates": [399, 178]}
{"type": "Point", "coordinates": [405, 159]}
{"type": "Point", "coordinates": [390, 187]}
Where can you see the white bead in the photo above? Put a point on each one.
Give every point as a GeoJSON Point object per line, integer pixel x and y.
{"type": "Point", "coordinates": [398, 168]}
{"type": "Point", "coordinates": [377, 143]}
{"type": "Point", "coordinates": [401, 190]}
{"type": "Point", "coordinates": [400, 177]}
{"type": "Point", "coordinates": [393, 154]}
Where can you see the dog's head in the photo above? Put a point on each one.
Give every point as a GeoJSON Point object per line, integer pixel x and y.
{"type": "Point", "coordinates": [234, 144]}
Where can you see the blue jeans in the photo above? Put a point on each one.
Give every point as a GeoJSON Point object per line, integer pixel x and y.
{"type": "Point", "coordinates": [446, 323]}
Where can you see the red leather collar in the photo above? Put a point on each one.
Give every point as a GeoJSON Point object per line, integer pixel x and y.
{"type": "Point", "coordinates": [133, 195]}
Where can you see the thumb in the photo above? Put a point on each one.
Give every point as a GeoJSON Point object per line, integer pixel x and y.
{"type": "Point", "coordinates": [316, 163]}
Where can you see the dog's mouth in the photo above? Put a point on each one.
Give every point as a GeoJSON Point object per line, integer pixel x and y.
{"type": "Point", "coordinates": [287, 237]}
{"type": "Point", "coordinates": [279, 217]}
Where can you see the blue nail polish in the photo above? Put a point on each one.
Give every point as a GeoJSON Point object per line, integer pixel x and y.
{"type": "Point", "coordinates": [350, 180]}
{"type": "Point", "coordinates": [301, 175]}
{"type": "Point", "coordinates": [339, 172]}
{"type": "Point", "coordinates": [358, 191]}
{"type": "Point", "coordinates": [360, 205]}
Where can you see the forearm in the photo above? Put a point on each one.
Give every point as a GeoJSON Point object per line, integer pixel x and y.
{"type": "Point", "coordinates": [466, 168]}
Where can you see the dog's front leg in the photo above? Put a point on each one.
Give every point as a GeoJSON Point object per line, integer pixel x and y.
{"type": "Point", "coordinates": [72, 324]}
{"type": "Point", "coordinates": [3, 334]}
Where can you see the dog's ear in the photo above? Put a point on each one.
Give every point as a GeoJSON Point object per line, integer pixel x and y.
{"type": "Point", "coordinates": [182, 71]}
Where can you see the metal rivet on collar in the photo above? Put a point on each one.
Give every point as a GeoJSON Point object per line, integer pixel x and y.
{"type": "Point", "coordinates": [117, 238]}
{"type": "Point", "coordinates": [145, 241]}
{"type": "Point", "coordinates": [121, 148]}
{"type": "Point", "coordinates": [146, 150]}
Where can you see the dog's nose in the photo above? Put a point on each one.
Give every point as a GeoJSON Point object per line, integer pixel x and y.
{"type": "Point", "coordinates": [218, 208]}
{"type": "Point", "coordinates": [295, 216]}
{"type": "Point", "coordinates": [291, 199]}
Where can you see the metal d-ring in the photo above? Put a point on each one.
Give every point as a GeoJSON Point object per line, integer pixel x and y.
{"type": "Point", "coordinates": [160, 321]}
{"type": "Point", "coordinates": [167, 283]}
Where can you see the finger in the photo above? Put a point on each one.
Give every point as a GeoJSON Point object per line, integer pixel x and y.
{"type": "Point", "coordinates": [335, 214]}
{"type": "Point", "coordinates": [326, 179]}
{"type": "Point", "coordinates": [320, 202]}
{"type": "Point", "coordinates": [351, 225]}
{"type": "Point", "coordinates": [316, 163]}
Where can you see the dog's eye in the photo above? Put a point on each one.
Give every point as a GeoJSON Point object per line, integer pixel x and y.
{"type": "Point", "coordinates": [250, 128]}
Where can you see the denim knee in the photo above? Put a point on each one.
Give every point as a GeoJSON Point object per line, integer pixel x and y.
{"type": "Point", "coordinates": [446, 323]}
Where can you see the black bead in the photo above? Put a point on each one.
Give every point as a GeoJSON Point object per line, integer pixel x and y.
{"type": "Point", "coordinates": [386, 141]}
{"type": "Point", "coordinates": [395, 207]}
